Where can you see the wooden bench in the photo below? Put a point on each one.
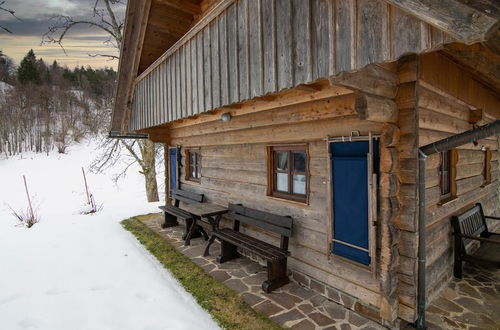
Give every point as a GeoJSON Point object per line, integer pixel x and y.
{"type": "Point", "coordinates": [174, 212]}
{"type": "Point", "coordinates": [276, 257]}
{"type": "Point", "coordinates": [469, 226]}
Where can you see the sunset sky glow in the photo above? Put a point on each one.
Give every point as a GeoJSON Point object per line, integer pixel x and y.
{"type": "Point", "coordinates": [35, 18]}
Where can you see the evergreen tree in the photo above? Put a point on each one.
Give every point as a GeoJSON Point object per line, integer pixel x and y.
{"type": "Point", "coordinates": [27, 71]}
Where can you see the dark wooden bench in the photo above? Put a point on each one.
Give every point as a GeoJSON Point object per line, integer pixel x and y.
{"type": "Point", "coordinates": [469, 226]}
{"type": "Point", "coordinates": [276, 257]}
{"type": "Point", "coordinates": [174, 212]}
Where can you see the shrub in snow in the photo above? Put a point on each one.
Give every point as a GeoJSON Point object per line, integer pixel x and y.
{"type": "Point", "coordinates": [27, 218]}
{"type": "Point", "coordinates": [91, 206]}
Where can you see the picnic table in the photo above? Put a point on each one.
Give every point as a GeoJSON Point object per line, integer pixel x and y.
{"type": "Point", "coordinates": [200, 211]}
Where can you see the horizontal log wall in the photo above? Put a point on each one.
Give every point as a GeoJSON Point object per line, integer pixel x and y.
{"type": "Point", "coordinates": [441, 115]}
{"type": "Point", "coordinates": [234, 170]}
{"type": "Point", "coordinates": [256, 47]}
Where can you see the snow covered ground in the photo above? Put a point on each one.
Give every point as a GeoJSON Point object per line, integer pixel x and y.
{"type": "Point", "coordinates": [73, 271]}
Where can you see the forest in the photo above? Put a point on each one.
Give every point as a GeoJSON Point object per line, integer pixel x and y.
{"type": "Point", "coordinates": [46, 106]}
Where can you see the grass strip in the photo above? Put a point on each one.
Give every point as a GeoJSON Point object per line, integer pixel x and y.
{"type": "Point", "coordinates": [225, 306]}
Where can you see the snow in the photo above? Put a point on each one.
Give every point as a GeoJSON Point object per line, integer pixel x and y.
{"type": "Point", "coordinates": [4, 87]}
{"type": "Point", "coordinates": [74, 271]}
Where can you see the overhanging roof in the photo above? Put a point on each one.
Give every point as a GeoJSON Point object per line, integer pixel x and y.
{"type": "Point", "coordinates": [153, 26]}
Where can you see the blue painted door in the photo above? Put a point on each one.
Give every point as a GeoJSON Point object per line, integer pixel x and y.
{"type": "Point", "coordinates": [173, 167]}
{"type": "Point", "coordinates": [349, 162]}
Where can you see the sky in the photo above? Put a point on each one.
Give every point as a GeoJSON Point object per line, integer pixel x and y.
{"type": "Point", "coordinates": [35, 16]}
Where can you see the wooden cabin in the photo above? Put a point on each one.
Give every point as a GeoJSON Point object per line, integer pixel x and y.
{"type": "Point", "coordinates": [316, 109]}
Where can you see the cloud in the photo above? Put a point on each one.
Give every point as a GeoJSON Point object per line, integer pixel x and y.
{"type": "Point", "coordinates": [80, 41]}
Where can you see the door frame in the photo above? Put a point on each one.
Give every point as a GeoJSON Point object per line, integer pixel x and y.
{"type": "Point", "coordinates": [372, 200]}
{"type": "Point", "coordinates": [178, 148]}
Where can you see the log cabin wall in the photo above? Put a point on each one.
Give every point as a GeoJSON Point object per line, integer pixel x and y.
{"type": "Point", "coordinates": [447, 104]}
{"type": "Point", "coordinates": [235, 170]}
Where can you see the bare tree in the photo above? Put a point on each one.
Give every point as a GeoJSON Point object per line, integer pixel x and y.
{"type": "Point", "coordinates": [10, 11]}
{"type": "Point", "coordinates": [105, 19]}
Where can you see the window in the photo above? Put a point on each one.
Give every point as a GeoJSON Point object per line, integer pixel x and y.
{"type": "Point", "coordinates": [193, 165]}
{"type": "Point", "coordinates": [447, 173]}
{"type": "Point", "coordinates": [288, 172]}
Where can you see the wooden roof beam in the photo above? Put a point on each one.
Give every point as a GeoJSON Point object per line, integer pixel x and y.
{"type": "Point", "coordinates": [182, 5]}
{"type": "Point", "coordinates": [461, 21]}
{"type": "Point", "coordinates": [165, 25]}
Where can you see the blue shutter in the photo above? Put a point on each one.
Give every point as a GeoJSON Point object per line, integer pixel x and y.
{"type": "Point", "coordinates": [350, 199]}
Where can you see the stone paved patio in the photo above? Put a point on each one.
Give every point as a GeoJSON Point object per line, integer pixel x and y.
{"type": "Point", "coordinates": [470, 303]}
{"type": "Point", "coordinates": [291, 306]}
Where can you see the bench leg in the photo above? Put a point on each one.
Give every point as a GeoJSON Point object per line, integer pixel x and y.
{"type": "Point", "coordinates": [206, 253]}
{"type": "Point", "coordinates": [457, 267]}
{"type": "Point", "coordinates": [170, 221]}
{"type": "Point", "coordinates": [228, 252]}
{"type": "Point", "coordinates": [276, 275]}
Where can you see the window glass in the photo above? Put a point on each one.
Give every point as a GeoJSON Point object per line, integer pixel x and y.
{"type": "Point", "coordinates": [193, 169]}
{"type": "Point", "coordinates": [282, 182]}
{"type": "Point", "coordinates": [299, 184]}
{"type": "Point", "coordinates": [282, 163]}
{"type": "Point", "coordinates": [299, 161]}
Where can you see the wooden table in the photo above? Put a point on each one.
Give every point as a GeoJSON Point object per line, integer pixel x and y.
{"type": "Point", "coordinates": [212, 212]}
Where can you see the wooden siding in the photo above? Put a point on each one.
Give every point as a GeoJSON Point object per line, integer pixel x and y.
{"type": "Point", "coordinates": [247, 49]}
{"type": "Point", "coordinates": [441, 115]}
{"type": "Point", "coordinates": [427, 113]}
{"type": "Point", "coordinates": [234, 170]}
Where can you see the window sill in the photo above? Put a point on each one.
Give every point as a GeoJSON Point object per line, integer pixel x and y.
{"type": "Point", "coordinates": [446, 201]}
{"type": "Point", "coordinates": [304, 203]}
{"type": "Point", "coordinates": [193, 180]}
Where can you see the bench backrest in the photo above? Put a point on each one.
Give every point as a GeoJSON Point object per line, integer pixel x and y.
{"type": "Point", "coordinates": [278, 224]}
{"type": "Point", "coordinates": [471, 222]}
{"type": "Point", "coordinates": [186, 196]}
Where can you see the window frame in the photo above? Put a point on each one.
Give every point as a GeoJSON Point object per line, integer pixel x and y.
{"type": "Point", "coordinates": [273, 171]}
{"type": "Point", "coordinates": [451, 161]}
{"type": "Point", "coordinates": [197, 165]}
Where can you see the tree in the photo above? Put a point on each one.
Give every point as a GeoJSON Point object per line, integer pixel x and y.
{"type": "Point", "coordinates": [28, 71]}
{"type": "Point", "coordinates": [7, 69]}
{"type": "Point", "coordinates": [144, 152]}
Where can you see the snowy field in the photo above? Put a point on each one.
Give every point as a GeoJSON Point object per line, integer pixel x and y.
{"type": "Point", "coordinates": [73, 271]}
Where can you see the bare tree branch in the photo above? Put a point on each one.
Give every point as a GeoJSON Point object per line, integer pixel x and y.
{"type": "Point", "coordinates": [111, 57]}
{"type": "Point", "coordinates": [10, 11]}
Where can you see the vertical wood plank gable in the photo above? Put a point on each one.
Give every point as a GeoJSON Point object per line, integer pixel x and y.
{"type": "Point", "coordinates": [243, 50]}
{"type": "Point", "coordinates": [223, 60]}
{"type": "Point", "coordinates": [170, 91]}
{"type": "Point", "coordinates": [194, 77]}
{"type": "Point", "coordinates": [174, 87]}
{"type": "Point", "coordinates": [405, 33]}
{"type": "Point", "coordinates": [301, 25]}
{"type": "Point", "coordinates": [182, 64]}
{"type": "Point", "coordinates": [344, 35]}
{"type": "Point", "coordinates": [232, 49]}
{"type": "Point", "coordinates": [215, 75]}
{"type": "Point", "coordinates": [200, 71]}
{"type": "Point", "coordinates": [207, 69]}
{"type": "Point", "coordinates": [284, 43]}
{"type": "Point", "coordinates": [255, 48]}
{"type": "Point", "coordinates": [269, 45]}
{"type": "Point", "coordinates": [372, 32]}
{"type": "Point", "coordinates": [189, 80]}
{"type": "Point", "coordinates": [320, 44]}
